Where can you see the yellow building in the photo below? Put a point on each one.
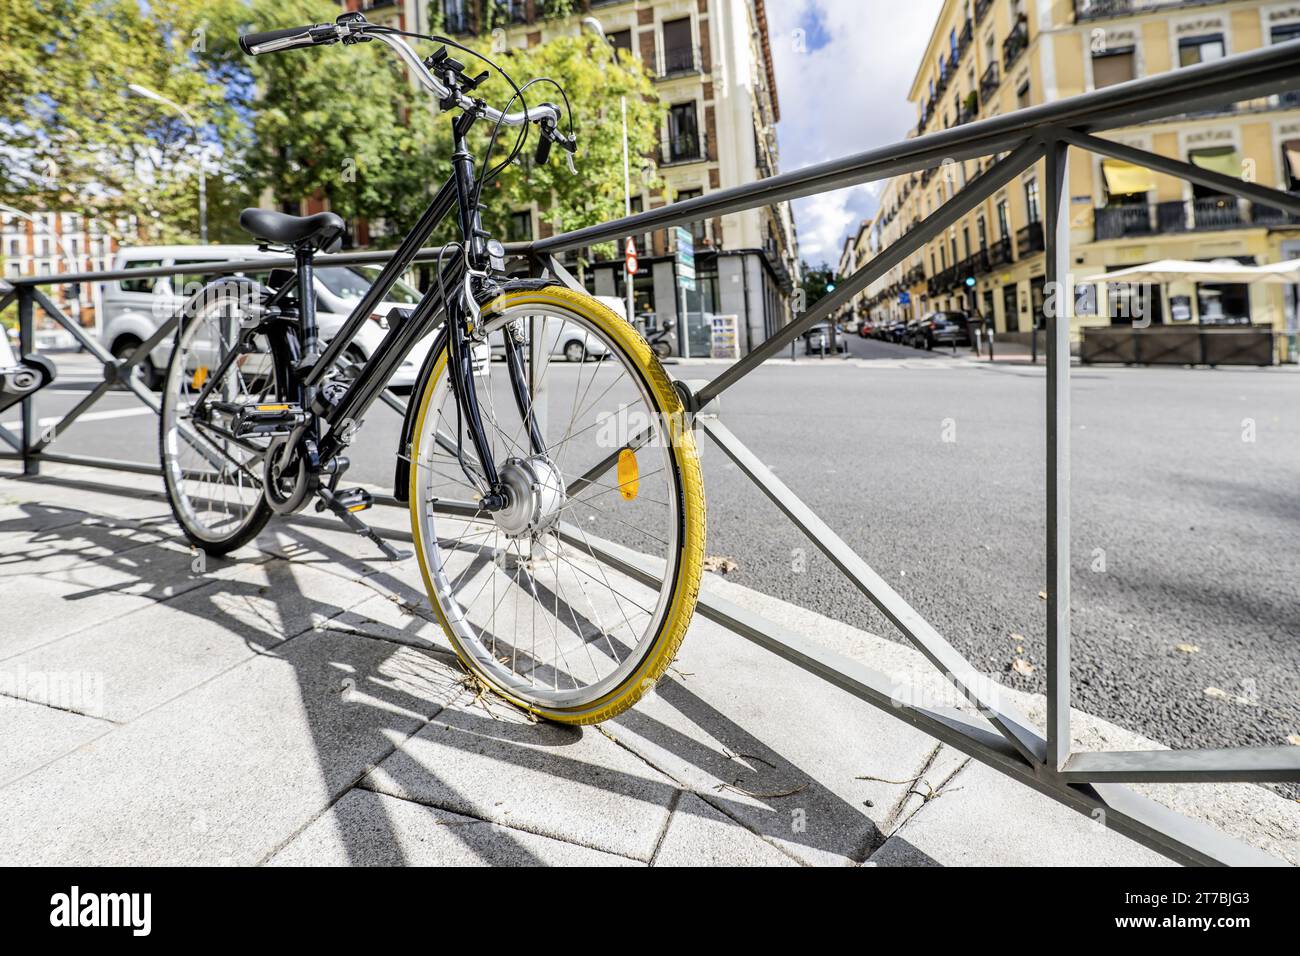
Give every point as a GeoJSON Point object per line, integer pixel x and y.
{"type": "Point", "coordinates": [987, 57]}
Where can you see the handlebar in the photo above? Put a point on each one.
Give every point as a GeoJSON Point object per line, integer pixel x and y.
{"type": "Point", "coordinates": [352, 28]}
{"type": "Point", "coordinates": [273, 41]}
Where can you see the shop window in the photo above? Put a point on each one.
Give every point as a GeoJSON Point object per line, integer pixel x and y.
{"type": "Point", "coordinates": [1126, 183]}
{"type": "Point", "coordinates": [1202, 49]}
{"type": "Point", "coordinates": [1223, 303]}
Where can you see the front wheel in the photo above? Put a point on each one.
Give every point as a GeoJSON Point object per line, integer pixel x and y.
{"type": "Point", "coordinates": [522, 593]}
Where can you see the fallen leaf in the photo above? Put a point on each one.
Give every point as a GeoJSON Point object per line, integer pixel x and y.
{"type": "Point", "coordinates": [1293, 739]}
{"type": "Point", "coordinates": [1022, 666]}
{"type": "Point", "coordinates": [1215, 694]}
{"type": "Point", "coordinates": [1018, 638]}
{"type": "Point", "coordinates": [720, 564]}
{"type": "Point", "coordinates": [1188, 648]}
{"type": "Point", "coordinates": [1042, 595]}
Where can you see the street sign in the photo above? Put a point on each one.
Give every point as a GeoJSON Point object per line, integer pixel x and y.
{"type": "Point", "coordinates": [904, 298]}
{"type": "Point", "coordinates": [629, 256]}
{"type": "Point", "coordinates": [685, 258]}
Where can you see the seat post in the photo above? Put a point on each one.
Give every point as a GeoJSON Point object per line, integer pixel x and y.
{"type": "Point", "coordinates": [302, 255]}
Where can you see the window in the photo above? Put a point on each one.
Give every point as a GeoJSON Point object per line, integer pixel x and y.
{"type": "Point", "coordinates": [454, 18]}
{"type": "Point", "coordinates": [679, 52]}
{"type": "Point", "coordinates": [1220, 159]}
{"type": "Point", "coordinates": [1004, 221]}
{"type": "Point", "coordinates": [187, 283]}
{"type": "Point", "coordinates": [697, 228]}
{"type": "Point", "coordinates": [683, 132]}
{"type": "Point", "coordinates": [952, 43]}
{"type": "Point", "coordinates": [1113, 66]}
{"type": "Point", "coordinates": [965, 238]}
{"type": "Point", "coordinates": [1022, 96]}
{"type": "Point", "coordinates": [621, 40]}
{"type": "Point", "coordinates": [981, 229]}
{"type": "Point", "coordinates": [1202, 49]}
{"type": "Point", "coordinates": [1031, 201]}
{"type": "Point", "coordinates": [1223, 303]}
{"type": "Point", "coordinates": [520, 226]}
{"type": "Point", "coordinates": [1126, 183]}
{"type": "Point", "coordinates": [140, 285]}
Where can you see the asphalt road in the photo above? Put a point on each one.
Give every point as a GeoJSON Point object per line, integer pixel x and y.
{"type": "Point", "coordinates": [1186, 514]}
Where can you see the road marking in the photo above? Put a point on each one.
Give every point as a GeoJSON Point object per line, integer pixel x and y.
{"type": "Point", "coordinates": [88, 417]}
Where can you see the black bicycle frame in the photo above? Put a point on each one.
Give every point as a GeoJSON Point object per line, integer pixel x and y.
{"type": "Point", "coordinates": [405, 330]}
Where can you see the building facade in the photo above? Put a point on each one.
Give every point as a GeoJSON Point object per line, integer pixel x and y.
{"type": "Point", "coordinates": [987, 57]}
{"type": "Point", "coordinates": [55, 243]}
{"type": "Point", "coordinates": [712, 66]}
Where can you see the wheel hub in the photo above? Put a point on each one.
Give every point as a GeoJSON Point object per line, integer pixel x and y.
{"type": "Point", "coordinates": [534, 492]}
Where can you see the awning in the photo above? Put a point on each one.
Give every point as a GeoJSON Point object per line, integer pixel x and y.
{"type": "Point", "coordinates": [1186, 270]}
{"type": "Point", "coordinates": [1222, 159]}
{"type": "Point", "coordinates": [1125, 179]}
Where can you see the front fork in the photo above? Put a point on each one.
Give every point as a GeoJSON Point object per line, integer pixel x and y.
{"type": "Point", "coordinates": [460, 363]}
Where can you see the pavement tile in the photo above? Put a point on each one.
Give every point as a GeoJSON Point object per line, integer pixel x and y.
{"type": "Point", "coordinates": [749, 732]}
{"type": "Point", "coordinates": [698, 835]}
{"type": "Point", "coordinates": [983, 818]}
{"type": "Point", "coordinates": [33, 735]}
{"type": "Point", "coordinates": [370, 829]}
{"type": "Point", "coordinates": [488, 760]}
{"type": "Point", "coordinates": [158, 652]}
{"type": "Point", "coordinates": [46, 606]}
{"type": "Point", "coordinates": [231, 771]}
{"type": "Point", "coordinates": [91, 538]}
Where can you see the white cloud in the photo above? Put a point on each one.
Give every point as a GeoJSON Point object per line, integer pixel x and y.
{"type": "Point", "coordinates": [843, 97]}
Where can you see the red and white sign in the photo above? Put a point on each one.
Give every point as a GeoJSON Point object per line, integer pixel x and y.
{"type": "Point", "coordinates": [629, 256]}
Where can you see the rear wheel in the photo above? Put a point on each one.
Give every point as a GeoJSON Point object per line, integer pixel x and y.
{"type": "Point", "coordinates": [213, 478]}
{"type": "Point", "coordinates": [521, 593]}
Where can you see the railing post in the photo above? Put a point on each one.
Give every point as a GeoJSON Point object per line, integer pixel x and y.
{"type": "Point", "coordinates": [1057, 269]}
{"type": "Point", "coordinates": [27, 346]}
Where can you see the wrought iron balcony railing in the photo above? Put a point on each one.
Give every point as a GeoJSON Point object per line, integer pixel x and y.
{"type": "Point", "coordinates": [989, 81]}
{"type": "Point", "coordinates": [1015, 44]}
{"type": "Point", "coordinates": [678, 61]}
{"type": "Point", "coordinates": [1178, 215]}
{"type": "Point", "coordinates": [1000, 252]}
{"type": "Point", "coordinates": [1029, 239]}
{"type": "Point", "coordinates": [687, 148]}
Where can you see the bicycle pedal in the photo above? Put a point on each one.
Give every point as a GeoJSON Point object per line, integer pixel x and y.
{"type": "Point", "coordinates": [352, 499]}
{"type": "Point", "coordinates": [345, 504]}
{"type": "Point", "coordinates": [270, 419]}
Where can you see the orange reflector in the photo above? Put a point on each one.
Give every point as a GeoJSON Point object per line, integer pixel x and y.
{"type": "Point", "coordinates": [200, 376]}
{"type": "Point", "coordinates": [628, 484]}
{"type": "Point", "coordinates": [272, 408]}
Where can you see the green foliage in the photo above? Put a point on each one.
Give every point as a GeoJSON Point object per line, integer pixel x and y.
{"type": "Point", "coordinates": [338, 123]}
{"type": "Point", "coordinates": [815, 282]}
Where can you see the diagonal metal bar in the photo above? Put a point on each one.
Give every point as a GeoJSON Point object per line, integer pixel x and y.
{"type": "Point", "coordinates": [54, 431]}
{"type": "Point", "coordinates": [73, 328]}
{"type": "Point", "coordinates": [975, 192]}
{"type": "Point", "coordinates": [1056, 274]}
{"type": "Point", "coordinates": [10, 439]}
{"type": "Point", "coordinates": [976, 687]}
{"type": "Point", "coordinates": [1223, 765]}
{"type": "Point", "coordinates": [1189, 171]}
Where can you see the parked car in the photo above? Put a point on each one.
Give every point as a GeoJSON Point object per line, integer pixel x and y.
{"type": "Point", "coordinates": [943, 328]}
{"type": "Point", "coordinates": [134, 308]}
{"type": "Point", "coordinates": [816, 341]}
{"type": "Point", "coordinates": [893, 331]}
{"type": "Point", "coordinates": [912, 334]}
{"type": "Point", "coordinates": [866, 329]}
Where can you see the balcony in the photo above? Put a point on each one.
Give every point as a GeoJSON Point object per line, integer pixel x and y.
{"type": "Point", "coordinates": [980, 263]}
{"type": "Point", "coordinates": [982, 8]}
{"type": "Point", "coordinates": [968, 109]}
{"type": "Point", "coordinates": [455, 19]}
{"type": "Point", "coordinates": [964, 38]}
{"type": "Point", "coordinates": [1015, 44]}
{"type": "Point", "coordinates": [1000, 253]}
{"type": "Point", "coordinates": [1194, 215]}
{"type": "Point", "coordinates": [989, 81]}
{"type": "Point", "coordinates": [1269, 216]}
{"type": "Point", "coordinates": [1029, 239]}
{"type": "Point", "coordinates": [686, 148]}
{"type": "Point", "coordinates": [678, 61]}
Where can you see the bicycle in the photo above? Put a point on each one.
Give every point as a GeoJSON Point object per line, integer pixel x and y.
{"type": "Point", "coordinates": [502, 465]}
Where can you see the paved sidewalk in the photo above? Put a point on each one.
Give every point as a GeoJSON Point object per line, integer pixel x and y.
{"type": "Point", "coordinates": [294, 705]}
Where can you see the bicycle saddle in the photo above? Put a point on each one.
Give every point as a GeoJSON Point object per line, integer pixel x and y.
{"type": "Point", "coordinates": [267, 225]}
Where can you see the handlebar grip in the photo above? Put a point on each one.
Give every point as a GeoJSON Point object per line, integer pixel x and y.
{"type": "Point", "coordinates": [543, 150]}
{"type": "Point", "coordinates": [290, 38]}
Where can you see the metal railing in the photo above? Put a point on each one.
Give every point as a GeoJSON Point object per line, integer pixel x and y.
{"type": "Point", "coordinates": [687, 148]}
{"type": "Point", "coordinates": [678, 61]}
{"type": "Point", "coordinates": [997, 733]}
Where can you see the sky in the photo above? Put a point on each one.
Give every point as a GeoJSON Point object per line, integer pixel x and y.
{"type": "Point", "coordinates": [843, 68]}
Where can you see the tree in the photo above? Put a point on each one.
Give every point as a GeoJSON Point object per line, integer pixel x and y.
{"type": "Point", "coordinates": [817, 283]}
{"type": "Point", "coordinates": [74, 138]}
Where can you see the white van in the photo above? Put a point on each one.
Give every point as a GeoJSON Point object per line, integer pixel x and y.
{"type": "Point", "coordinates": [134, 308]}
